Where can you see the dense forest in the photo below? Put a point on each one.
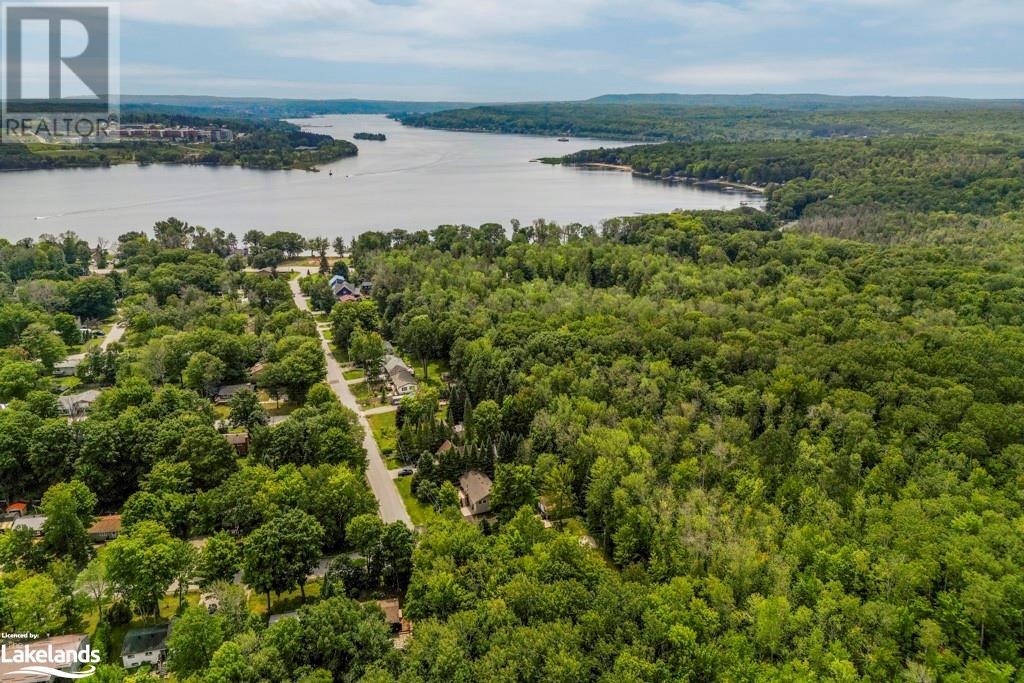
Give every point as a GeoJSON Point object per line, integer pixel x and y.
{"type": "Point", "coordinates": [265, 144]}
{"type": "Point", "coordinates": [655, 121]}
{"type": "Point", "coordinates": [978, 174]}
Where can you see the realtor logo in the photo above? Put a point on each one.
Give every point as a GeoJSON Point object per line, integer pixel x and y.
{"type": "Point", "coordinates": [60, 71]}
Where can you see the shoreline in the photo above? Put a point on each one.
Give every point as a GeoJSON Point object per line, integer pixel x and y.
{"type": "Point", "coordinates": [689, 180]}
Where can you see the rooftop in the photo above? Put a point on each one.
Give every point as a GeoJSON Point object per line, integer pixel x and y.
{"type": "Point", "coordinates": [107, 524]}
{"type": "Point", "coordinates": [476, 485]}
{"type": "Point", "coordinates": [140, 640]}
{"type": "Point", "coordinates": [392, 610]}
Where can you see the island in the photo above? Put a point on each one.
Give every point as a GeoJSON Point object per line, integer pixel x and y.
{"type": "Point", "coordinates": [379, 137]}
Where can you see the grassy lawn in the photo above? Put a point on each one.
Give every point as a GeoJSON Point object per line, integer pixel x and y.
{"type": "Point", "coordinates": [221, 411]}
{"type": "Point", "coordinates": [365, 394]}
{"type": "Point", "coordinates": [354, 373]}
{"type": "Point", "coordinates": [384, 430]}
{"type": "Point", "coordinates": [287, 602]}
{"type": "Point", "coordinates": [286, 408]}
{"type": "Point", "coordinates": [340, 355]}
{"type": "Point", "coordinates": [419, 513]}
{"type": "Point", "coordinates": [66, 383]}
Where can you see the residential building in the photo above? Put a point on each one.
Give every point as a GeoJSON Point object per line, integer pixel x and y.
{"type": "Point", "coordinates": [75, 406]}
{"type": "Point", "coordinates": [69, 366]}
{"type": "Point", "coordinates": [475, 496]}
{"type": "Point", "coordinates": [33, 522]}
{"type": "Point", "coordinates": [16, 509]}
{"type": "Point", "coordinates": [73, 642]}
{"type": "Point", "coordinates": [239, 441]}
{"type": "Point", "coordinates": [226, 391]}
{"type": "Point", "coordinates": [106, 528]}
{"type": "Point", "coordinates": [145, 646]}
{"type": "Point", "coordinates": [344, 288]}
{"type": "Point", "coordinates": [401, 375]}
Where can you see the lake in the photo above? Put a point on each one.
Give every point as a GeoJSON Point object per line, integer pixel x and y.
{"type": "Point", "coordinates": [418, 178]}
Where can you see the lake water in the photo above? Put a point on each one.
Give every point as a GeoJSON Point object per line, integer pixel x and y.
{"type": "Point", "coordinates": [418, 178]}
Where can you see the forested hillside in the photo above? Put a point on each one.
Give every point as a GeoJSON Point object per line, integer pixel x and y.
{"type": "Point", "coordinates": [658, 121]}
{"type": "Point", "coordinates": [977, 174]}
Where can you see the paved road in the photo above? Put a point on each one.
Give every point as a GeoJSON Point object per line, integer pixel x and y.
{"type": "Point", "coordinates": [114, 335]}
{"type": "Point", "coordinates": [392, 508]}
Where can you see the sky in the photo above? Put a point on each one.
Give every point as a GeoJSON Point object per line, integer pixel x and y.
{"type": "Point", "coordinates": [516, 50]}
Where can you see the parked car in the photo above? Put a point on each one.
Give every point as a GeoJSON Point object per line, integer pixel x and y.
{"type": "Point", "coordinates": [405, 471]}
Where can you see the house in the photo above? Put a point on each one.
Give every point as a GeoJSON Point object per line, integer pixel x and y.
{"type": "Point", "coordinates": [344, 288]}
{"type": "Point", "coordinates": [226, 391]}
{"type": "Point", "coordinates": [445, 447]}
{"type": "Point", "coordinates": [33, 522]}
{"type": "Point", "coordinates": [400, 374]}
{"type": "Point", "coordinates": [145, 646]}
{"type": "Point", "coordinates": [69, 366]}
{"type": "Point", "coordinates": [64, 645]}
{"type": "Point", "coordinates": [365, 288]}
{"type": "Point", "coordinates": [392, 613]}
{"type": "Point", "coordinates": [16, 509]}
{"type": "Point", "coordinates": [401, 628]}
{"type": "Point", "coordinates": [77, 405]}
{"type": "Point", "coordinates": [475, 493]}
{"type": "Point", "coordinates": [403, 380]}
{"type": "Point", "coordinates": [239, 441]}
{"type": "Point", "coordinates": [106, 528]}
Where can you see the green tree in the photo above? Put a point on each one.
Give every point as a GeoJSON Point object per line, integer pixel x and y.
{"type": "Point", "coordinates": [419, 335]}
{"type": "Point", "coordinates": [142, 563]}
{"type": "Point", "coordinates": [280, 554]}
{"type": "Point", "coordinates": [203, 373]}
{"type": "Point", "coordinates": [68, 509]}
{"type": "Point", "coordinates": [195, 638]}
{"type": "Point", "coordinates": [246, 410]}
{"type": "Point", "coordinates": [513, 488]}
{"type": "Point", "coordinates": [92, 298]}
{"type": "Point", "coordinates": [221, 558]}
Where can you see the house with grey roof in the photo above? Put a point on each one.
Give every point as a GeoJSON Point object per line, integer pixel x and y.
{"type": "Point", "coordinates": [145, 646]}
{"type": "Point", "coordinates": [77, 405]}
{"type": "Point", "coordinates": [475, 493]}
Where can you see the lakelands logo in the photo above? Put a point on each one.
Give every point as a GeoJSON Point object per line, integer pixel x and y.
{"type": "Point", "coordinates": [60, 72]}
{"type": "Point", "coordinates": [47, 660]}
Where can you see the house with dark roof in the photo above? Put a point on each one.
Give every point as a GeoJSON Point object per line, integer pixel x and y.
{"type": "Point", "coordinates": [145, 646]}
{"type": "Point", "coordinates": [475, 493]}
{"type": "Point", "coordinates": [344, 288]}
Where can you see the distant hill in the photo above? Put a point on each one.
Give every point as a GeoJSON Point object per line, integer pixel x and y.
{"type": "Point", "coordinates": [807, 102]}
{"type": "Point", "coordinates": [268, 107]}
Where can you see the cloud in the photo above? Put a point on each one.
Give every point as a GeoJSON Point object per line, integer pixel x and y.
{"type": "Point", "coordinates": [845, 74]}
{"type": "Point", "coordinates": [151, 79]}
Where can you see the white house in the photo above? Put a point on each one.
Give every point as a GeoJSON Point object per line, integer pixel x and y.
{"type": "Point", "coordinates": [145, 646]}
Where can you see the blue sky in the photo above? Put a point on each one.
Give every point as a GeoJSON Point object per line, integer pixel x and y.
{"type": "Point", "coordinates": [495, 50]}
